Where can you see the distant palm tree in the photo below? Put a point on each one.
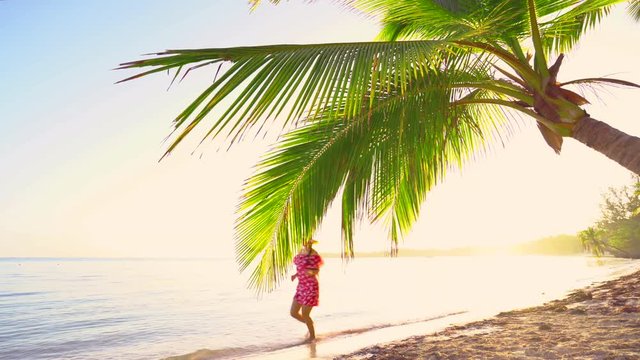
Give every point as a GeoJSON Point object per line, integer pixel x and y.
{"type": "Point", "coordinates": [383, 121]}
{"type": "Point", "coordinates": [598, 242]}
{"type": "Point", "coordinates": [593, 241]}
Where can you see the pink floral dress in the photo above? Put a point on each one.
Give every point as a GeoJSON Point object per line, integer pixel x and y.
{"type": "Point", "coordinates": [308, 290]}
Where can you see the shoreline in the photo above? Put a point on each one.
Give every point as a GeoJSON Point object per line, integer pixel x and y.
{"type": "Point", "coordinates": [601, 321]}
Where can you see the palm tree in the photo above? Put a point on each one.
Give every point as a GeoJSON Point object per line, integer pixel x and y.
{"type": "Point", "coordinates": [598, 241]}
{"type": "Point", "coordinates": [379, 123]}
{"type": "Point", "coordinates": [592, 240]}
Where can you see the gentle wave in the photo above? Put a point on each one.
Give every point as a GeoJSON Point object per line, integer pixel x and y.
{"type": "Point", "coordinates": [225, 353]}
{"type": "Point", "coordinates": [20, 294]}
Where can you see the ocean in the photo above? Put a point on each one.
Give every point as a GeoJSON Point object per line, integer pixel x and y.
{"type": "Point", "coordinates": [157, 308]}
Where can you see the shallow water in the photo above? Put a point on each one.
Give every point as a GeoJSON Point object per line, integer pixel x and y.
{"type": "Point", "coordinates": [151, 309]}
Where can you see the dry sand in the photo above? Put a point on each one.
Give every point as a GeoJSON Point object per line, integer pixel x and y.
{"type": "Point", "coordinates": [599, 322]}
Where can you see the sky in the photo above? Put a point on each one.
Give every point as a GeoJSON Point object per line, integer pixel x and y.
{"type": "Point", "coordinates": [79, 170]}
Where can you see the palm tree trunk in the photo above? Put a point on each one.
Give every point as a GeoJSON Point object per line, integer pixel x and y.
{"type": "Point", "coordinates": [615, 144]}
{"type": "Point", "coordinates": [617, 252]}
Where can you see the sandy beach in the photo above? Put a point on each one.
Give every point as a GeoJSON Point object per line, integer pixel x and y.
{"type": "Point", "coordinates": [598, 322]}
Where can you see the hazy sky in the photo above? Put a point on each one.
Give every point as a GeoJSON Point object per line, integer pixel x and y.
{"type": "Point", "coordinates": [78, 154]}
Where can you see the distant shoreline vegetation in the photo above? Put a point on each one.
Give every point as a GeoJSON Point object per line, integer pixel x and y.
{"type": "Point", "coordinates": [618, 231]}
{"type": "Point", "coordinates": [561, 245]}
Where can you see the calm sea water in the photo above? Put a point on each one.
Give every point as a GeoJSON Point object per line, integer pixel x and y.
{"type": "Point", "coordinates": [151, 309]}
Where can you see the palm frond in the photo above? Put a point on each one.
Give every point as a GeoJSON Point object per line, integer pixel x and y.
{"type": "Point", "coordinates": [634, 9]}
{"type": "Point", "coordinates": [468, 20]}
{"type": "Point", "coordinates": [460, 19]}
{"type": "Point", "coordinates": [286, 199]}
{"type": "Point", "coordinates": [281, 204]}
{"type": "Point", "coordinates": [425, 140]}
{"type": "Point", "coordinates": [407, 19]}
{"type": "Point", "coordinates": [563, 31]}
{"type": "Point", "coordinates": [255, 3]}
{"type": "Point", "coordinates": [308, 78]}
{"type": "Point", "coordinates": [601, 80]}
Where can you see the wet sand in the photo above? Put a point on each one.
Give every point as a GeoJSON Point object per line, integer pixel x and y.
{"type": "Point", "coordinates": [598, 322]}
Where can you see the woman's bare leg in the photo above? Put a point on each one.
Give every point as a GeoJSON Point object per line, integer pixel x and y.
{"type": "Point", "coordinates": [295, 311]}
{"type": "Point", "coordinates": [306, 311]}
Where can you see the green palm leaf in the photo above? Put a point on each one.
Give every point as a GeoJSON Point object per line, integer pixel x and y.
{"type": "Point", "coordinates": [562, 32]}
{"type": "Point", "coordinates": [408, 19]}
{"type": "Point", "coordinates": [281, 206]}
{"type": "Point", "coordinates": [459, 19]}
{"type": "Point", "coordinates": [308, 78]}
{"type": "Point", "coordinates": [634, 9]}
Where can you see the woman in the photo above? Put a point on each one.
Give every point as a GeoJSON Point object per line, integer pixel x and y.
{"type": "Point", "coordinates": [308, 264]}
